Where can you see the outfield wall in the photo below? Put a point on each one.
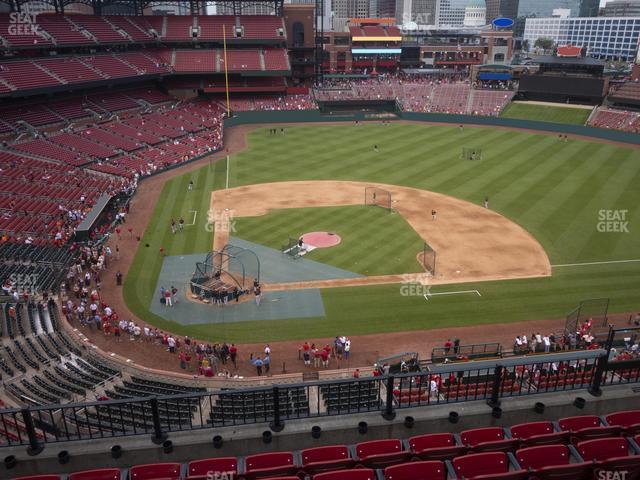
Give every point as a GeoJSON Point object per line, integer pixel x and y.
{"type": "Point", "coordinates": [294, 116]}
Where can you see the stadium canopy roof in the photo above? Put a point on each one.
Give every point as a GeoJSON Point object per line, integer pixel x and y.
{"type": "Point", "coordinates": [550, 60]}
{"type": "Point", "coordinates": [495, 66]}
{"type": "Point", "coordinates": [137, 7]}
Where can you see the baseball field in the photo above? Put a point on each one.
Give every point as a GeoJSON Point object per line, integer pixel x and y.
{"type": "Point", "coordinates": [579, 199]}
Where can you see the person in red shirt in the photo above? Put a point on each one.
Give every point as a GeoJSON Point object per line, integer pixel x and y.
{"type": "Point", "coordinates": [233, 354]}
{"type": "Point", "coordinates": [356, 373]}
{"type": "Point", "coordinates": [324, 354]}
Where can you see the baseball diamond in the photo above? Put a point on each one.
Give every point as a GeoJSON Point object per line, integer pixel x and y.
{"type": "Point", "coordinates": [246, 241]}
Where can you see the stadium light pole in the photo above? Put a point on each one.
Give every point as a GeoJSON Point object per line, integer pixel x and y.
{"type": "Point", "coordinates": [226, 72]}
{"type": "Point", "coordinates": [227, 183]}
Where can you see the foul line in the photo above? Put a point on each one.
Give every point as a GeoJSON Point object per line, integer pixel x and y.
{"type": "Point", "coordinates": [611, 262]}
{"type": "Point", "coordinates": [459, 292]}
{"type": "Point", "coordinates": [195, 214]}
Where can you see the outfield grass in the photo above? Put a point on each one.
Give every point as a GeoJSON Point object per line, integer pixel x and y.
{"type": "Point", "coordinates": [547, 113]}
{"type": "Point", "coordinates": [374, 242]}
{"type": "Point", "coordinates": [555, 190]}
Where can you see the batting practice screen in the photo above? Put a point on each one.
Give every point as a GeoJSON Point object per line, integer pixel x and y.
{"type": "Point", "coordinates": [377, 196]}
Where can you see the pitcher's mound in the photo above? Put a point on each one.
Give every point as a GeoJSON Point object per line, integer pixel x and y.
{"type": "Point", "coordinates": [321, 239]}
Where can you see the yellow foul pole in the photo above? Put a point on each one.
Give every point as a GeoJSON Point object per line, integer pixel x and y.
{"type": "Point", "coordinates": [226, 75]}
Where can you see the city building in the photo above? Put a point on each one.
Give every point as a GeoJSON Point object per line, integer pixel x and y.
{"type": "Point", "coordinates": [451, 13]}
{"type": "Point", "coordinates": [475, 14]}
{"type": "Point", "coordinates": [621, 8]}
{"type": "Point", "coordinates": [501, 8]}
{"type": "Point", "coordinates": [544, 8]}
{"type": "Point", "coordinates": [604, 37]}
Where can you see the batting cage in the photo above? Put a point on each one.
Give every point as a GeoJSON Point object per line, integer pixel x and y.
{"type": "Point", "coordinates": [427, 258]}
{"type": "Point", "coordinates": [377, 196]}
{"type": "Point", "coordinates": [230, 268]}
{"type": "Point", "coordinates": [595, 309]}
{"type": "Point", "coordinates": [471, 153]}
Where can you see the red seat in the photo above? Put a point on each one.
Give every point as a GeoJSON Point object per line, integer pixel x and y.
{"type": "Point", "coordinates": [102, 474]}
{"type": "Point", "coordinates": [164, 471]}
{"type": "Point", "coordinates": [431, 470]}
{"type": "Point", "coordinates": [269, 465]}
{"type": "Point", "coordinates": [630, 465]}
{"type": "Point", "coordinates": [485, 465]}
{"type": "Point", "coordinates": [538, 433]}
{"type": "Point", "coordinates": [381, 453]}
{"type": "Point", "coordinates": [352, 474]}
{"type": "Point", "coordinates": [602, 449]}
{"type": "Point", "coordinates": [324, 459]}
{"type": "Point", "coordinates": [629, 420]}
{"type": "Point", "coordinates": [543, 456]}
{"type": "Point", "coordinates": [488, 439]}
{"type": "Point", "coordinates": [586, 427]}
{"type": "Point", "coordinates": [436, 446]}
{"type": "Point", "coordinates": [202, 467]}
{"type": "Point", "coordinates": [552, 462]}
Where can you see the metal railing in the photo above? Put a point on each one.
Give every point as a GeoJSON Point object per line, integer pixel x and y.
{"type": "Point", "coordinates": [488, 380]}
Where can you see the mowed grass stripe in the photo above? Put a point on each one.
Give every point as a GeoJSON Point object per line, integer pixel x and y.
{"type": "Point", "coordinates": [554, 200]}
{"type": "Point", "coordinates": [483, 181]}
{"type": "Point", "coordinates": [609, 197]}
{"type": "Point", "coordinates": [374, 242]}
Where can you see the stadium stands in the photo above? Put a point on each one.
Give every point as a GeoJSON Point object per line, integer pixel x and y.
{"type": "Point", "coordinates": [615, 119]}
{"type": "Point", "coordinates": [26, 75]}
{"type": "Point", "coordinates": [64, 31]}
{"type": "Point", "coordinates": [557, 461]}
{"type": "Point", "coordinates": [99, 28]}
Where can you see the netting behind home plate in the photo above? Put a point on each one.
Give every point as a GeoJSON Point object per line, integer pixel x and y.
{"type": "Point", "coordinates": [428, 258]}
{"type": "Point", "coordinates": [236, 265]}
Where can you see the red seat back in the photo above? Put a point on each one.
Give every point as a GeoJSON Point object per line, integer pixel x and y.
{"type": "Point", "coordinates": [378, 447]}
{"type": "Point", "coordinates": [542, 456]}
{"type": "Point", "coordinates": [268, 460]}
{"type": "Point", "coordinates": [102, 474]}
{"type": "Point", "coordinates": [154, 471]}
{"type": "Point", "coordinates": [433, 440]}
{"type": "Point", "coordinates": [570, 471]}
{"type": "Point", "coordinates": [324, 454]}
{"type": "Point", "coordinates": [603, 448]}
{"type": "Point", "coordinates": [624, 419]}
{"type": "Point", "coordinates": [40, 477]}
{"type": "Point", "coordinates": [479, 435]}
{"type": "Point", "coordinates": [526, 430]}
{"type": "Point", "coordinates": [430, 470]}
{"type": "Point", "coordinates": [223, 464]}
{"type": "Point", "coordinates": [487, 463]}
{"type": "Point", "coordinates": [354, 474]}
{"type": "Point", "coordinates": [572, 424]}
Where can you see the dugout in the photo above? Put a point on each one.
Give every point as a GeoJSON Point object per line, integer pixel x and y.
{"type": "Point", "coordinates": [469, 352]}
{"type": "Point", "coordinates": [97, 216]}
